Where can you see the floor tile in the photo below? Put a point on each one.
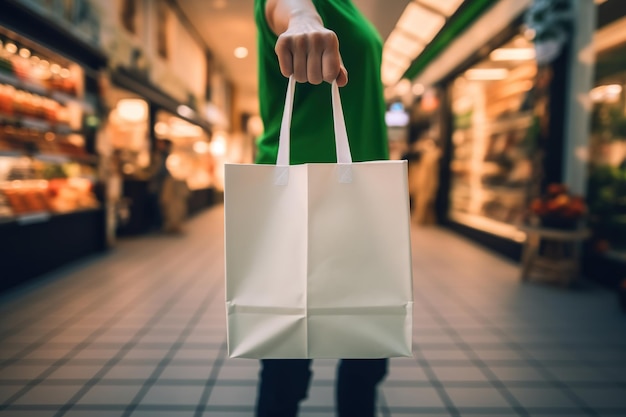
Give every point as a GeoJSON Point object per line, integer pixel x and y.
{"type": "Point", "coordinates": [130, 372]}
{"type": "Point", "coordinates": [458, 374]}
{"type": "Point", "coordinates": [93, 413]}
{"type": "Point", "coordinates": [110, 394]}
{"type": "Point", "coordinates": [6, 391]}
{"type": "Point", "coordinates": [140, 413]}
{"type": "Point", "coordinates": [186, 372]}
{"type": "Point", "coordinates": [516, 373]}
{"type": "Point", "coordinates": [470, 310]}
{"type": "Point", "coordinates": [232, 396]}
{"type": "Point", "coordinates": [48, 394]}
{"type": "Point", "coordinates": [75, 372]}
{"type": "Point", "coordinates": [476, 397]}
{"type": "Point", "coordinates": [22, 371]}
{"type": "Point", "coordinates": [422, 397]}
{"type": "Point", "coordinates": [542, 398]}
{"type": "Point", "coordinates": [173, 395]}
{"type": "Point", "coordinates": [602, 397]}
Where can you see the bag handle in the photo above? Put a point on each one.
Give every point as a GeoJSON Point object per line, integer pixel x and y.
{"type": "Point", "coordinates": [341, 135]}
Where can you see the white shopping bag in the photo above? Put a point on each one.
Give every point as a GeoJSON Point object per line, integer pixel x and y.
{"type": "Point", "coordinates": [318, 259]}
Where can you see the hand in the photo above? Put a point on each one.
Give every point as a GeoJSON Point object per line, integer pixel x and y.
{"type": "Point", "coordinates": [310, 52]}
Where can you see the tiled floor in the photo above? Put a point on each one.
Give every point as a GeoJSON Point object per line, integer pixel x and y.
{"type": "Point", "coordinates": [140, 332]}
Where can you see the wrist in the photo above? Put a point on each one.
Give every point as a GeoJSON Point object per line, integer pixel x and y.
{"type": "Point", "coordinates": [303, 16]}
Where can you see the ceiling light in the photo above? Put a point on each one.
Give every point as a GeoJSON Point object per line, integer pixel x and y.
{"type": "Point", "coordinates": [447, 7]}
{"type": "Point", "coordinates": [185, 111]}
{"type": "Point", "coordinates": [132, 110]}
{"type": "Point", "coordinates": [418, 89]}
{"type": "Point", "coordinates": [606, 93]}
{"type": "Point", "coordinates": [403, 87]}
{"type": "Point", "coordinates": [486, 74]}
{"type": "Point", "coordinates": [24, 53]}
{"type": "Point", "coordinates": [399, 41]}
{"type": "Point", "coordinates": [420, 22]}
{"type": "Point", "coordinates": [11, 48]}
{"type": "Point", "coordinates": [241, 52]}
{"type": "Point", "coordinates": [397, 58]}
{"type": "Point", "coordinates": [161, 129]}
{"type": "Point", "coordinates": [512, 54]}
{"type": "Point", "coordinates": [391, 73]}
{"type": "Point", "coordinates": [201, 147]}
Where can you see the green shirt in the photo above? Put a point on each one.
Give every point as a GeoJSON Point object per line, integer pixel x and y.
{"type": "Point", "coordinates": [312, 137]}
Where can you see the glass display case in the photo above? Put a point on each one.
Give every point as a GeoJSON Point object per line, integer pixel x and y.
{"type": "Point", "coordinates": [45, 165]}
{"type": "Point", "coordinates": [492, 131]}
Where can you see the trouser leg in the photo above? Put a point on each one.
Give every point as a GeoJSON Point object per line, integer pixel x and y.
{"type": "Point", "coordinates": [357, 380]}
{"type": "Point", "coordinates": [283, 384]}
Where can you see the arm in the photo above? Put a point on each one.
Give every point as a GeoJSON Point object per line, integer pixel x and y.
{"type": "Point", "coordinates": [305, 48]}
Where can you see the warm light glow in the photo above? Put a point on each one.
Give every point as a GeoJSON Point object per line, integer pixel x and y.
{"type": "Point", "coordinates": [185, 111]}
{"type": "Point", "coordinates": [512, 54]}
{"type": "Point", "coordinates": [161, 128]}
{"type": "Point", "coordinates": [403, 87]}
{"type": "Point", "coordinates": [183, 129]}
{"type": "Point", "coordinates": [201, 147]}
{"type": "Point", "coordinates": [24, 53]}
{"type": "Point", "coordinates": [218, 145]}
{"type": "Point", "coordinates": [418, 89]}
{"type": "Point", "coordinates": [55, 68]}
{"type": "Point", "coordinates": [390, 73]}
{"type": "Point", "coordinates": [44, 63]}
{"type": "Point", "coordinates": [486, 74]}
{"type": "Point", "coordinates": [396, 58]}
{"type": "Point", "coordinates": [241, 52]}
{"type": "Point", "coordinates": [10, 48]}
{"type": "Point", "coordinates": [447, 7]}
{"type": "Point", "coordinates": [606, 93]}
{"type": "Point", "coordinates": [132, 110]}
{"type": "Point", "coordinates": [65, 73]}
{"type": "Point", "coordinates": [255, 125]}
{"type": "Point", "coordinates": [420, 22]}
{"type": "Point", "coordinates": [408, 45]}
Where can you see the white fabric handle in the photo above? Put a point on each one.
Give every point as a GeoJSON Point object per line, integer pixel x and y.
{"type": "Point", "coordinates": [341, 135]}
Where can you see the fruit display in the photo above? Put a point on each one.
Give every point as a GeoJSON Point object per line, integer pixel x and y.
{"type": "Point", "coordinates": [60, 195]}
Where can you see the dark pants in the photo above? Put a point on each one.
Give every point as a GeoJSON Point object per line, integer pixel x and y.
{"type": "Point", "coordinates": [285, 382]}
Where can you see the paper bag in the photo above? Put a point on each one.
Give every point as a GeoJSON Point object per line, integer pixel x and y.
{"type": "Point", "coordinates": [318, 259]}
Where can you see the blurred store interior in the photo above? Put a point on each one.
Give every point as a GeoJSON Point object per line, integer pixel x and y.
{"type": "Point", "coordinates": [117, 117]}
{"type": "Point", "coordinates": [490, 101]}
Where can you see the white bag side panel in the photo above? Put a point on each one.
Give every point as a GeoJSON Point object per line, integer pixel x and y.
{"type": "Point", "coordinates": [359, 236]}
{"type": "Point", "coordinates": [265, 234]}
{"type": "Point", "coordinates": [265, 229]}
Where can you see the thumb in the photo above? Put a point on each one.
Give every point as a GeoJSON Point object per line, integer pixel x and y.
{"type": "Point", "coordinates": [342, 78]}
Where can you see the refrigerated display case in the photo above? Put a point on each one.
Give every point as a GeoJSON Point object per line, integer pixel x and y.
{"type": "Point", "coordinates": [492, 135]}
{"type": "Point", "coordinates": [49, 211]}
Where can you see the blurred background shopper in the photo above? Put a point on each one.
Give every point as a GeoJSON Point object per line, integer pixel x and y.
{"type": "Point", "coordinates": [319, 42]}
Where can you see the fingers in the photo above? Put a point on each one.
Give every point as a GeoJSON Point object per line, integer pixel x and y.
{"type": "Point", "coordinates": [311, 57]}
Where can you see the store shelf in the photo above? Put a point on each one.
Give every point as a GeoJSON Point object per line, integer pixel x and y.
{"type": "Point", "coordinates": [11, 79]}
{"type": "Point", "coordinates": [486, 224]}
{"type": "Point", "coordinates": [37, 124]}
{"type": "Point", "coordinates": [52, 158]}
{"type": "Point", "coordinates": [58, 96]}
{"type": "Point", "coordinates": [63, 159]}
{"type": "Point", "coordinates": [42, 216]}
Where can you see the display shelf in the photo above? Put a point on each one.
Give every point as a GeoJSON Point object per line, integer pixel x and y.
{"type": "Point", "coordinates": [38, 124]}
{"type": "Point", "coordinates": [495, 227]}
{"type": "Point", "coordinates": [52, 158]}
{"type": "Point", "coordinates": [42, 216]}
{"type": "Point", "coordinates": [56, 95]}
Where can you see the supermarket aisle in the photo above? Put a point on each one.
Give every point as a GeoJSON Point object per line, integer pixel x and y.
{"type": "Point", "coordinates": [140, 332]}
